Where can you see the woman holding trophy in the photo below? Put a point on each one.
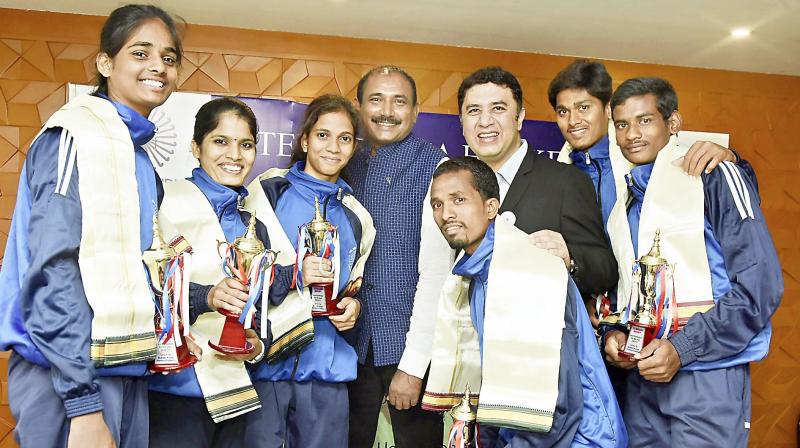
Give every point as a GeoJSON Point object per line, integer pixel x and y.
{"type": "Point", "coordinates": [318, 225]}
{"type": "Point", "coordinates": [203, 405]}
{"type": "Point", "coordinates": [79, 314]}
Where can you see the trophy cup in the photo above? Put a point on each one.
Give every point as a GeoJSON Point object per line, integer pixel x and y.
{"type": "Point", "coordinates": [465, 429]}
{"type": "Point", "coordinates": [246, 259]}
{"type": "Point", "coordinates": [321, 237]}
{"type": "Point", "coordinates": [645, 324]}
{"type": "Point", "coordinates": [172, 353]}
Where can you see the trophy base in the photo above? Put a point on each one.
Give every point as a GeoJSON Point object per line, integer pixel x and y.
{"type": "Point", "coordinates": [335, 312]}
{"type": "Point", "coordinates": [169, 357]}
{"type": "Point", "coordinates": [639, 336]}
{"type": "Point", "coordinates": [187, 361]}
{"type": "Point", "coordinates": [232, 340]}
{"type": "Point", "coordinates": [229, 350]}
{"type": "Point", "coordinates": [323, 301]}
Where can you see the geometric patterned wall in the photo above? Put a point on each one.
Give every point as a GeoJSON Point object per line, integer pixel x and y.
{"type": "Point", "coordinates": [41, 52]}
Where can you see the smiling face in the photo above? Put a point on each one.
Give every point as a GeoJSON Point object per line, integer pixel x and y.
{"type": "Point", "coordinates": [459, 210]}
{"type": "Point", "coordinates": [490, 123]}
{"type": "Point", "coordinates": [145, 71]}
{"type": "Point", "coordinates": [641, 129]}
{"type": "Point", "coordinates": [329, 146]}
{"type": "Point", "coordinates": [386, 109]}
{"type": "Point", "coordinates": [227, 153]}
{"type": "Point", "coordinates": [582, 119]}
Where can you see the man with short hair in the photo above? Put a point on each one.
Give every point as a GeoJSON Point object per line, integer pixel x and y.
{"type": "Point", "coordinates": [691, 385]}
{"type": "Point", "coordinates": [501, 317]}
{"type": "Point", "coordinates": [553, 202]}
{"type": "Point", "coordinates": [580, 95]}
{"type": "Point", "coordinates": [390, 174]}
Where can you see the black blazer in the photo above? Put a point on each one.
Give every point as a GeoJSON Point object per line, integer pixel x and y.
{"type": "Point", "coordinates": [546, 194]}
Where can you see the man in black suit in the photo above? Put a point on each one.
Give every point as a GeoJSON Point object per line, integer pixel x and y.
{"type": "Point", "coordinates": [554, 203]}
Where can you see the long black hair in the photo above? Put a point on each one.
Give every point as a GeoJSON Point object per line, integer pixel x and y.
{"type": "Point", "coordinates": [123, 22]}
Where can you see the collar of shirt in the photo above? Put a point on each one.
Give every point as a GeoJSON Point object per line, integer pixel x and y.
{"type": "Point", "coordinates": [506, 173]}
{"type": "Point", "coordinates": [597, 151]}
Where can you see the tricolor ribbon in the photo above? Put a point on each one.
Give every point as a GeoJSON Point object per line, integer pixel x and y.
{"type": "Point", "coordinates": [232, 268]}
{"type": "Point", "coordinates": [459, 436]}
{"type": "Point", "coordinates": [329, 250]}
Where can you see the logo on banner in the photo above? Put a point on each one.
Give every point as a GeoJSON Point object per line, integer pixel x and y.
{"type": "Point", "coordinates": [162, 147]}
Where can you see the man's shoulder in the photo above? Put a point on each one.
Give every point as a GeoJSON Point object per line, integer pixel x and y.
{"type": "Point", "coordinates": [424, 147]}
{"type": "Point", "coordinates": [560, 171]}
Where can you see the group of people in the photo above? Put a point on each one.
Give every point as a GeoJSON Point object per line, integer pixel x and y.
{"type": "Point", "coordinates": [536, 332]}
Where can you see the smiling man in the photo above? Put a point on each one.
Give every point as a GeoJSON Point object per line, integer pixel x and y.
{"type": "Point", "coordinates": [510, 313]}
{"type": "Point", "coordinates": [553, 202]}
{"type": "Point", "coordinates": [390, 174]}
{"type": "Point", "coordinates": [691, 386]}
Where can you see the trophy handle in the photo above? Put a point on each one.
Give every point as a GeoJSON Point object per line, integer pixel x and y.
{"type": "Point", "coordinates": [220, 244]}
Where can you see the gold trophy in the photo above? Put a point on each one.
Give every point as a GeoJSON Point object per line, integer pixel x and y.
{"type": "Point", "coordinates": [645, 325]}
{"type": "Point", "coordinates": [320, 232]}
{"type": "Point", "coordinates": [465, 415]}
{"type": "Point", "coordinates": [170, 356]}
{"type": "Point", "coordinates": [239, 259]}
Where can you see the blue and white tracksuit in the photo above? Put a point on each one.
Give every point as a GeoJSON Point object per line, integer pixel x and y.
{"type": "Point", "coordinates": [707, 403]}
{"type": "Point", "coordinates": [586, 413]}
{"type": "Point", "coordinates": [45, 317]}
{"type": "Point", "coordinates": [304, 397]}
{"type": "Point", "coordinates": [178, 410]}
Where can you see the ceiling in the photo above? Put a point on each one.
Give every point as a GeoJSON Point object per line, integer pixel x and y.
{"type": "Point", "coordinates": [692, 33]}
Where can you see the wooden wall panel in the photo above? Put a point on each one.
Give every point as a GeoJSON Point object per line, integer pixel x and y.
{"type": "Point", "coordinates": [40, 52]}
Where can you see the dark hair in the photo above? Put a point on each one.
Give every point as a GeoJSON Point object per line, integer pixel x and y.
{"type": "Point", "coordinates": [122, 23]}
{"type": "Point", "coordinates": [483, 178]}
{"type": "Point", "coordinates": [666, 98]}
{"type": "Point", "coordinates": [322, 105]}
{"type": "Point", "coordinates": [207, 118]}
{"type": "Point", "coordinates": [386, 70]}
{"type": "Point", "coordinates": [582, 74]}
{"type": "Point", "coordinates": [494, 75]}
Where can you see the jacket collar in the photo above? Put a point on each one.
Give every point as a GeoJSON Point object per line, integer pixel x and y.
{"type": "Point", "coordinates": [220, 196]}
{"type": "Point", "coordinates": [141, 129]}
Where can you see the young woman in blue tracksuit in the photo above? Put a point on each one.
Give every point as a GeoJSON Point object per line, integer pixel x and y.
{"type": "Point", "coordinates": [224, 141]}
{"type": "Point", "coordinates": [304, 396]}
{"type": "Point", "coordinates": [64, 388]}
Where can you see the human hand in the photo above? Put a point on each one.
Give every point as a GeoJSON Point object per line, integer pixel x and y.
{"type": "Point", "coordinates": [346, 320]}
{"type": "Point", "coordinates": [229, 294]}
{"type": "Point", "coordinates": [615, 341]}
{"type": "Point", "coordinates": [704, 156]}
{"type": "Point", "coordinates": [404, 390]}
{"type": "Point", "coordinates": [317, 270]}
{"type": "Point", "coordinates": [89, 430]}
{"type": "Point", "coordinates": [552, 242]}
{"type": "Point", "coordinates": [658, 361]}
{"type": "Point", "coordinates": [194, 348]}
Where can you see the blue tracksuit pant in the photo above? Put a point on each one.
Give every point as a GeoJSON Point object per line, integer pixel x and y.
{"type": "Point", "coordinates": [41, 418]}
{"type": "Point", "coordinates": [696, 409]}
{"type": "Point", "coordinates": [311, 414]}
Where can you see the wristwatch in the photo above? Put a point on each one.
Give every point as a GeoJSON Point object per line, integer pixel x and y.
{"type": "Point", "coordinates": [260, 355]}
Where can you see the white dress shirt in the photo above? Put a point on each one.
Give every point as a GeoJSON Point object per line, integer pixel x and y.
{"type": "Point", "coordinates": [435, 261]}
{"type": "Point", "coordinates": [506, 173]}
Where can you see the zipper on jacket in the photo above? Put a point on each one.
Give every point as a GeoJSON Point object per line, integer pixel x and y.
{"type": "Point", "coordinates": [294, 368]}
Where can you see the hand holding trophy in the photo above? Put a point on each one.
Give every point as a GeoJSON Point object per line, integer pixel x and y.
{"type": "Point", "coordinates": [652, 306]}
{"type": "Point", "coordinates": [169, 279]}
{"type": "Point", "coordinates": [320, 238]}
{"type": "Point", "coordinates": [246, 260]}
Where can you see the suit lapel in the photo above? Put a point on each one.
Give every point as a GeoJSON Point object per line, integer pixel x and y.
{"type": "Point", "coordinates": [520, 183]}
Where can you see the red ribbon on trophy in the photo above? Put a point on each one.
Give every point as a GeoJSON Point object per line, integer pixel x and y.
{"type": "Point", "coordinates": [168, 274]}
{"type": "Point", "coordinates": [652, 307]}
{"type": "Point", "coordinates": [320, 238]}
{"type": "Point", "coordinates": [247, 260]}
